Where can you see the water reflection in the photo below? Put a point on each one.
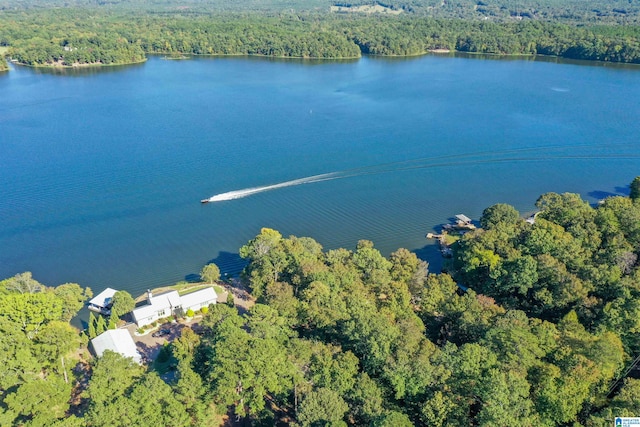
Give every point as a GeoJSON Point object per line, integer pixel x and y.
{"type": "Point", "coordinates": [82, 71]}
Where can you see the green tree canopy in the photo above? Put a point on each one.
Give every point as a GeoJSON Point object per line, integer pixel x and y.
{"type": "Point", "coordinates": [31, 311]}
{"type": "Point", "coordinates": [500, 215]}
{"type": "Point", "coordinates": [635, 189]}
{"type": "Point", "coordinates": [210, 273]}
{"type": "Point", "coordinates": [322, 407]}
{"type": "Point", "coordinates": [122, 303]}
{"type": "Point", "coordinates": [21, 283]}
{"type": "Point", "coordinates": [73, 297]}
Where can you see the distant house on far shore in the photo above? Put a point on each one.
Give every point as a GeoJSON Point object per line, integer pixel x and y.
{"type": "Point", "coordinates": [118, 341]}
{"type": "Point", "coordinates": [101, 303]}
{"type": "Point", "coordinates": [171, 303]}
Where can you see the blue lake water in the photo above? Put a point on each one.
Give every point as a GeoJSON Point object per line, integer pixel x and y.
{"type": "Point", "coordinates": [102, 172]}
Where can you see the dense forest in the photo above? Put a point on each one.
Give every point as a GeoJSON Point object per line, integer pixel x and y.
{"type": "Point", "coordinates": [532, 325]}
{"type": "Point", "coordinates": [87, 32]}
{"type": "Point", "coordinates": [574, 11]}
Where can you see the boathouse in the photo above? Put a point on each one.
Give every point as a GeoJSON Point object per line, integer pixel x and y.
{"type": "Point", "coordinates": [102, 302]}
{"type": "Point", "coordinates": [463, 219]}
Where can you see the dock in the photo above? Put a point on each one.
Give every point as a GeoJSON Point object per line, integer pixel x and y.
{"type": "Point", "coordinates": [462, 225]}
{"type": "Point", "coordinates": [462, 222]}
{"type": "Point", "coordinates": [445, 249]}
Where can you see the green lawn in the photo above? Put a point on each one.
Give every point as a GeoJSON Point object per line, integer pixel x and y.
{"type": "Point", "coordinates": [184, 291]}
{"type": "Point", "coordinates": [450, 239]}
{"type": "Point", "coordinates": [183, 288]}
{"type": "Point", "coordinates": [190, 289]}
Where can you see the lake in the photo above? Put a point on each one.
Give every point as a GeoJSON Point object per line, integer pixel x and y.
{"type": "Point", "coordinates": [102, 171]}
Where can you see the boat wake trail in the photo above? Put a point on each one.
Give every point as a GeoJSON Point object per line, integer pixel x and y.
{"type": "Point", "coordinates": [238, 194]}
{"type": "Point", "coordinates": [523, 154]}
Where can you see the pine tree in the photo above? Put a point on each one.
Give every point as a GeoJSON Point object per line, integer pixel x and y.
{"type": "Point", "coordinates": [635, 189]}
{"type": "Point", "coordinates": [91, 327]}
{"type": "Point", "coordinates": [113, 322]}
{"type": "Point", "coordinates": [101, 325]}
{"type": "Point", "coordinates": [230, 302]}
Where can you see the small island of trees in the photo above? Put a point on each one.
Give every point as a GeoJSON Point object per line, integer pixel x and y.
{"type": "Point", "coordinates": [534, 324]}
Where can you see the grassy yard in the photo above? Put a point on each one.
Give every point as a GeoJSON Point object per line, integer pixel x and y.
{"type": "Point", "coordinates": [183, 288]}
{"type": "Point", "coordinates": [184, 291]}
{"type": "Point", "coordinates": [3, 50]}
{"type": "Point", "coordinates": [192, 288]}
{"type": "Point", "coordinates": [450, 239]}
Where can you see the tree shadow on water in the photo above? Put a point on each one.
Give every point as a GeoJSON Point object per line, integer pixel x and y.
{"type": "Point", "coordinates": [229, 263]}
{"type": "Point", "coordinates": [619, 191]}
{"type": "Point", "coordinates": [623, 191]}
{"type": "Point", "coordinates": [192, 278]}
{"type": "Point", "coordinates": [432, 255]}
{"type": "Point", "coordinates": [600, 195]}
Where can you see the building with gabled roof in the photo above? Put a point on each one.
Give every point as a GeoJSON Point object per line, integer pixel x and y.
{"type": "Point", "coordinates": [172, 304]}
{"type": "Point", "coordinates": [118, 341]}
{"type": "Point", "coordinates": [463, 218]}
{"type": "Point", "coordinates": [198, 299]}
{"type": "Point", "coordinates": [102, 302]}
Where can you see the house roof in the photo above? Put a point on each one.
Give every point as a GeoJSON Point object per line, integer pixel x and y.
{"type": "Point", "coordinates": [103, 299]}
{"type": "Point", "coordinates": [463, 218]}
{"type": "Point", "coordinates": [117, 340]}
{"type": "Point", "coordinates": [157, 303]}
{"type": "Point", "coordinates": [171, 300]}
{"type": "Point", "coordinates": [203, 295]}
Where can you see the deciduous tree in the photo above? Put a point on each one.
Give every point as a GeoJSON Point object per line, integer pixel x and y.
{"type": "Point", "coordinates": [499, 216]}
{"type": "Point", "coordinates": [322, 407]}
{"type": "Point", "coordinates": [73, 297]}
{"type": "Point", "coordinates": [210, 273]}
{"type": "Point", "coordinates": [122, 303]}
{"type": "Point", "coordinates": [31, 310]}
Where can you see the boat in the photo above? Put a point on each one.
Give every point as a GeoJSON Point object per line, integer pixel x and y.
{"type": "Point", "coordinates": [203, 201]}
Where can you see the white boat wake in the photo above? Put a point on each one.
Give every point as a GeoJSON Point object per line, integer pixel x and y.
{"type": "Point", "coordinates": [238, 194]}
{"type": "Point", "coordinates": [541, 153]}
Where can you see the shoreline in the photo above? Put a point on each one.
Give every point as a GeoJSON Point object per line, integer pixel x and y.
{"type": "Point", "coordinates": [76, 66]}
{"type": "Point", "coordinates": [436, 52]}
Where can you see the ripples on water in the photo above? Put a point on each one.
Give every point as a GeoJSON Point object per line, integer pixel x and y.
{"type": "Point", "coordinates": [102, 174]}
{"type": "Point", "coordinates": [536, 154]}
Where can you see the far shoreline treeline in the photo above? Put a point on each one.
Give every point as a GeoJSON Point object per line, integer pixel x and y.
{"type": "Point", "coordinates": [82, 37]}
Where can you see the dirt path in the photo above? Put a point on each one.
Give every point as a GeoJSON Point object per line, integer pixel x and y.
{"type": "Point", "coordinates": [241, 296]}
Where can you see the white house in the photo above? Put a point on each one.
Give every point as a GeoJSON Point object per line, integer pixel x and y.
{"type": "Point", "coordinates": [117, 340]}
{"type": "Point", "coordinates": [102, 302]}
{"type": "Point", "coordinates": [171, 303]}
{"type": "Point", "coordinates": [198, 299]}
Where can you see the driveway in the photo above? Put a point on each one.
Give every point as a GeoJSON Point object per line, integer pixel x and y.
{"type": "Point", "coordinates": [149, 346]}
